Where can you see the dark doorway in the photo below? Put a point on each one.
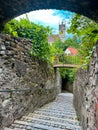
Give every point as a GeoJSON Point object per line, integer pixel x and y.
{"type": "Point", "coordinates": [66, 85]}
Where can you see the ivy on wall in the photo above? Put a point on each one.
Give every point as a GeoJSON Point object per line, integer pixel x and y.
{"type": "Point", "coordinates": [37, 33]}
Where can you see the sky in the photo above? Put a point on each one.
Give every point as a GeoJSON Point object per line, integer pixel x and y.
{"type": "Point", "coordinates": [50, 18]}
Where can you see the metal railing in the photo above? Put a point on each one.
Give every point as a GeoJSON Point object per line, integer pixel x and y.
{"type": "Point", "coordinates": [15, 90]}
{"type": "Point", "coordinates": [67, 59]}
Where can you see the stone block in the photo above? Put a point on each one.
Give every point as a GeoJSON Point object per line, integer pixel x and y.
{"type": "Point", "coordinates": [2, 47]}
{"type": "Point", "coordinates": [2, 52]}
{"type": "Point", "coordinates": [96, 65]}
{"type": "Point", "coordinates": [6, 103]}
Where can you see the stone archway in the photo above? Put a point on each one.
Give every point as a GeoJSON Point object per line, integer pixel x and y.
{"type": "Point", "coordinates": [13, 8]}
{"type": "Point", "coordinates": [89, 8]}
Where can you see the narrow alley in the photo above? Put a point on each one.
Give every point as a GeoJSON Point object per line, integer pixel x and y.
{"type": "Point", "coordinates": [57, 115]}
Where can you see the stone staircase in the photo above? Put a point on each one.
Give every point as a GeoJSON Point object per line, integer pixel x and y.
{"type": "Point", "coordinates": [57, 115]}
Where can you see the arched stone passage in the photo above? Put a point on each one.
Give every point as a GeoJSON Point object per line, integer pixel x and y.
{"type": "Point", "coordinates": [12, 8]}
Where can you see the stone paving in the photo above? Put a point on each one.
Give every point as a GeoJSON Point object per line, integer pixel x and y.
{"type": "Point", "coordinates": [57, 115]}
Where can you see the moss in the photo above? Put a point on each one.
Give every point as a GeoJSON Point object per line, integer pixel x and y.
{"type": "Point", "coordinates": [13, 44]}
{"type": "Point", "coordinates": [32, 84]}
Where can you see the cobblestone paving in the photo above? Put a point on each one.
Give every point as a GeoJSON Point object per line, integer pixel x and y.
{"type": "Point", "coordinates": [57, 115]}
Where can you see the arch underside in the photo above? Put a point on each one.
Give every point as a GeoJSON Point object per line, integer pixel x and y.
{"type": "Point", "coordinates": [12, 8]}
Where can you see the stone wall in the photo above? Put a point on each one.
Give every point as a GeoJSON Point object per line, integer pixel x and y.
{"type": "Point", "coordinates": [25, 82]}
{"type": "Point", "coordinates": [86, 94]}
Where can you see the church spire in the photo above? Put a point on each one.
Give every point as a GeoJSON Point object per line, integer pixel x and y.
{"type": "Point", "coordinates": [62, 30]}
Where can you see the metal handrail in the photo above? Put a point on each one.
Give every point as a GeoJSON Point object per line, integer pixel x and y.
{"type": "Point", "coordinates": [15, 90]}
{"type": "Point", "coordinates": [67, 59]}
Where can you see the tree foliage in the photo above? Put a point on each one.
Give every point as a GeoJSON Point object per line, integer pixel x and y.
{"type": "Point", "coordinates": [60, 46]}
{"type": "Point", "coordinates": [87, 30]}
{"type": "Point", "coordinates": [72, 42]}
{"type": "Point", "coordinates": [69, 74]}
{"type": "Point", "coordinates": [37, 33]}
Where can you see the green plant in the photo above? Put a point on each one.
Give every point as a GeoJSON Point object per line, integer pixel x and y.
{"type": "Point", "coordinates": [87, 30]}
{"type": "Point", "coordinates": [72, 42]}
{"type": "Point", "coordinates": [69, 74]}
{"type": "Point", "coordinates": [37, 33]}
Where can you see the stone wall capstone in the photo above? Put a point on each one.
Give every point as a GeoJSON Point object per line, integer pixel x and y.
{"type": "Point", "coordinates": [86, 94]}
{"type": "Point", "coordinates": [25, 82]}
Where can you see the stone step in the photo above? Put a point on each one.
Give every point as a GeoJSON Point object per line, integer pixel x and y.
{"type": "Point", "coordinates": [30, 126]}
{"type": "Point", "coordinates": [59, 112]}
{"type": "Point", "coordinates": [13, 129]}
{"type": "Point", "coordinates": [65, 110]}
{"type": "Point", "coordinates": [51, 121]}
{"type": "Point", "coordinates": [58, 108]}
{"type": "Point", "coordinates": [45, 124]}
{"type": "Point", "coordinates": [49, 118]}
{"type": "Point", "coordinates": [57, 115]}
{"type": "Point", "coordinates": [8, 128]}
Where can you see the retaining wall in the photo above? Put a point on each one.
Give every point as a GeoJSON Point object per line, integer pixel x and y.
{"type": "Point", "coordinates": [86, 94]}
{"type": "Point", "coordinates": [25, 82]}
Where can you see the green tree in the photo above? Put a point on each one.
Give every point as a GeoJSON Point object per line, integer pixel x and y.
{"type": "Point", "coordinates": [72, 42]}
{"type": "Point", "coordinates": [87, 30]}
{"type": "Point", "coordinates": [69, 74]}
{"type": "Point", "coordinates": [57, 49]}
{"type": "Point", "coordinates": [59, 46]}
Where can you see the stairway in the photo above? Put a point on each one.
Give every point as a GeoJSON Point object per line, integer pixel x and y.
{"type": "Point", "coordinates": [57, 115]}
